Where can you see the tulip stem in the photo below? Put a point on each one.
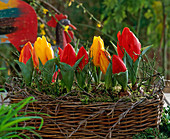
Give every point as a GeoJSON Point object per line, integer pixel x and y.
{"type": "Point", "coordinates": [95, 75]}
{"type": "Point", "coordinates": [86, 11]}
{"type": "Point", "coordinates": [139, 20]}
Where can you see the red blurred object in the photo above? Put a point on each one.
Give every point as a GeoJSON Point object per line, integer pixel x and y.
{"type": "Point", "coordinates": [128, 41]}
{"type": "Point", "coordinates": [118, 65]}
{"type": "Point", "coordinates": [19, 22]}
{"type": "Point", "coordinates": [82, 52]}
{"type": "Point", "coordinates": [55, 75]}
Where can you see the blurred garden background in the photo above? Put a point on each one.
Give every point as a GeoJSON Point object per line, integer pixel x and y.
{"type": "Point", "coordinates": [148, 19]}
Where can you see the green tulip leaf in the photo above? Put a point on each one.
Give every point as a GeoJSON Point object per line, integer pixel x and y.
{"type": "Point", "coordinates": [108, 77]}
{"type": "Point", "coordinates": [26, 70]}
{"type": "Point", "coordinates": [132, 67]}
{"type": "Point", "coordinates": [122, 79]}
{"type": "Point", "coordinates": [114, 48]}
{"type": "Point", "coordinates": [67, 75]}
{"type": "Point", "coordinates": [48, 70]}
{"type": "Point", "coordinates": [81, 78]}
{"type": "Point", "coordinates": [82, 75]}
{"type": "Point", "coordinates": [41, 66]}
{"type": "Point", "coordinates": [77, 63]}
{"type": "Point", "coordinates": [145, 49]}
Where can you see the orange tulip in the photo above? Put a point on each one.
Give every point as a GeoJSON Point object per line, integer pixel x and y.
{"type": "Point", "coordinates": [26, 53]}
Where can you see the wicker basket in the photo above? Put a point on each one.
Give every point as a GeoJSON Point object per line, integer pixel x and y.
{"type": "Point", "coordinates": [99, 120]}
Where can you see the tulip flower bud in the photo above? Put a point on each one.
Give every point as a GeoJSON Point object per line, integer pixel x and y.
{"type": "Point", "coordinates": [26, 53]}
{"type": "Point", "coordinates": [127, 41]}
{"type": "Point", "coordinates": [117, 65]}
{"type": "Point", "coordinates": [95, 49]}
{"type": "Point", "coordinates": [68, 55]}
{"type": "Point", "coordinates": [82, 52]}
{"type": "Point", "coordinates": [43, 50]}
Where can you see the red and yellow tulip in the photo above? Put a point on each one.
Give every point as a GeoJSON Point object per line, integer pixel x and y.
{"type": "Point", "coordinates": [26, 53]}
{"type": "Point", "coordinates": [128, 41]}
{"type": "Point", "coordinates": [99, 55]}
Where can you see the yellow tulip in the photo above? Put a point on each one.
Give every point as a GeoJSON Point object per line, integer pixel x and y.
{"type": "Point", "coordinates": [95, 49]}
{"type": "Point", "coordinates": [43, 50]}
{"type": "Point", "coordinates": [104, 61]}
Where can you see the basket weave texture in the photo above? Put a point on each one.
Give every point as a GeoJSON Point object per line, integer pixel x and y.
{"type": "Point", "coordinates": [98, 120]}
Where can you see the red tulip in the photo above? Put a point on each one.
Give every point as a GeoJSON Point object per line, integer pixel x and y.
{"type": "Point", "coordinates": [60, 52]}
{"type": "Point", "coordinates": [68, 56]}
{"type": "Point", "coordinates": [128, 41]}
{"type": "Point", "coordinates": [82, 52]}
{"type": "Point", "coordinates": [118, 65]}
{"type": "Point", "coordinates": [26, 53]}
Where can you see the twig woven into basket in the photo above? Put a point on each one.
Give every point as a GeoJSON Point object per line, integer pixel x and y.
{"type": "Point", "coordinates": [99, 120]}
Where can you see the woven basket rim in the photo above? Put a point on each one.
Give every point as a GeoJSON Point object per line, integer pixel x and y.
{"type": "Point", "coordinates": [153, 100]}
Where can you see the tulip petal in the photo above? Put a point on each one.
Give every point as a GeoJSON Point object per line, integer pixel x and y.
{"type": "Point", "coordinates": [82, 52]}
{"type": "Point", "coordinates": [95, 49]}
{"type": "Point", "coordinates": [43, 50]}
{"type": "Point", "coordinates": [117, 65]}
{"type": "Point", "coordinates": [60, 52]}
{"type": "Point", "coordinates": [69, 55]}
{"type": "Point", "coordinates": [128, 41]}
{"type": "Point", "coordinates": [104, 61]}
{"type": "Point", "coordinates": [26, 53]}
{"type": "Point", "coordinates": [35, 58]}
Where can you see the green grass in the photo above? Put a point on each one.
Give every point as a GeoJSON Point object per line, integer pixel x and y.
{"type": "Point", "coordinates": [10, 117]}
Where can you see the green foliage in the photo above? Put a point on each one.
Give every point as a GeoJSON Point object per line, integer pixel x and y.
{"type": "Point", "coordinates": [10, 117]}
{"type": "Point", "coordinates": [82, 76]}
{"type": "Point", "coordinates": [108, 77]}
{"type": "Point", "coordinates": [47, 70]}
{"type": "Point", "coordinates": [7, 56]}
{"type": "Point", "coordinates": [122, 79]}
{"type": "Point", "coordinates": [67, 75]}
{"type": "Point", "coordinates": [164, 128]}
{"type": "Point", "coordinates": [150, 133]}
{"type": "Point", "coordinates": [165, 122]}
{"type": "Point", "coordinates": [26, 70]}
{"type": "Point", "coordinates": [132, 67]}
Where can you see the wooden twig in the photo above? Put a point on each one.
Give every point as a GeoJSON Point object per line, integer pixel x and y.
{"type": "Point", "coordinates": [51, 6]}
